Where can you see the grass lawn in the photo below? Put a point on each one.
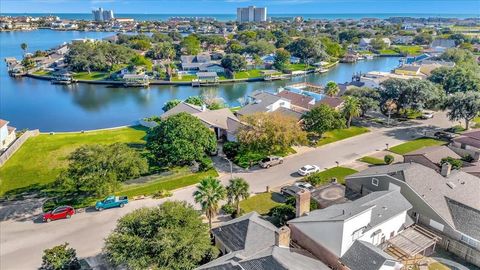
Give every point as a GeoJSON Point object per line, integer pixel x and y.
{"type": "Point", "coordinates": [181, 177]}
{"type": "Point", "coordinates": [40, 159]}
{"type": "Point", "coordinates": [415, 145]}
{"type": "Point", "coordinates": [42, 72]}
{"type": "Point", "coordinates": [437, 266]}
{"type": "Point", "coordinates": [476, 122]}
{"type": "Point", "coordinates": [388, 51]}
{"type": "Point", "coordinates": [336, 172]}
{"type": "Point", "coordinates": [299, 66]}
{"type": "Point", "coordinates": [409, 49]}
{"type": "Point", "coordinates": [340, 134]}
{"type": "Point", "coordinates": [235, 109]}
{"type": "Point", "coordinates": [372, 160]}
{"type": "Point", "coordinates": [261, 203]}
{"type": "Point", "coordinates": [93, 76]}
{"type": "Point", "coordinates": [184, 78]}
{"type": "Point", "coordinates": [248, 74]}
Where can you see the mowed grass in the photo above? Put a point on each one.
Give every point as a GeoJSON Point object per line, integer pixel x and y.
{"type": "Point", "coordinates": [341, 134]}
{"type": "Point", "coordinates": [180, 178]}
{"type": "Point", "coordinates": [184, 78]}
{"type": "Point", "coordinates": [336, 172]}
{"type": "Point", "coordinates": [40, 159]}
{"type": "Point", "coordinates": [92, 76]}
{"type": "Point", "coordinates": [409, 49]}
{"type": "Point", "coordinates": [261, 203]}
{"type": "Point", "coordinates": [372, 160]}
{"type": "Point", "coordinates": [416, 144]}
{"type": "Point", "coordinates": [299, 67]}
{"type": "Point", "coordinates": [249, 74]}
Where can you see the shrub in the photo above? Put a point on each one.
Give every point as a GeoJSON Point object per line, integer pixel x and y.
{"type": "Point", "coordinates": [467, 158]}
{"type": "Point", "coordinates": [228, 208]}
{"type": "Point", "coordinates": [456, 163]}
{"type": "Point", "coordinates": [162, 194]}
{"type": "Point", "coordinates": [282, 213]}
{"type": "Point", "coordinates": [231, 149]}
{"type": "Point", "coordinates": [205, 163]}
{"type": "Point", "coordinates": [316, 179]}
{"type": "Point", "coordinates": [388, 159]}
{"type": "Point", "coordinates": [248, 159]}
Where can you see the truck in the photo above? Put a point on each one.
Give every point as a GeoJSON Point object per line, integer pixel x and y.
{"type": "Point", "coordinates": [111, 202]}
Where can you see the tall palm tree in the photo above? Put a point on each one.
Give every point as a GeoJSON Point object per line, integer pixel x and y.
{"type": "Point", "coordinates": [331, 89]}
{"type": "Point", "coordinates": [209, 194]}
{"type": "Point", "coordinates": [236, 191]}
{"type": "Point", "coordinates": [351, 108]}
{"type": "Point", "coordinates": [24, 47]}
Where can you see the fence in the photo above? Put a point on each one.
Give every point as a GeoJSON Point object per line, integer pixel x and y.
{"type": "Point", "coordinates": [16, 145]}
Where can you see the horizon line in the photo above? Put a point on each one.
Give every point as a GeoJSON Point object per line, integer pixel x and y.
{"type": "Point", "coordinates": [410, 13]}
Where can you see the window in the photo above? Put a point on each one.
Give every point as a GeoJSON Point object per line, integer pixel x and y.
{"type": "Point", "coordinates": [356, 234]}
{"type": "Point", "coordinates": [469, 241]}
{"type": "Point", "coordinates": [375, 182]}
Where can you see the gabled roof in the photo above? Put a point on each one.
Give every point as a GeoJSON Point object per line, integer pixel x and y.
{"type": "Point", "coordinates": [435, 153]}
{"type": "Point", "coordinates": [248, 233]}
{"type": "Point", "coordinates": [261, 100]}
{"type": "Point", "coordinates": [296, 99]}
{"type": "Point", "coordinates": [471, 138]}
{"type": "Point", "coordinates": [465, 218]}
{"type": "Point", "coordinates": [182, 107]}
{"type": "Point", "coordinates": [446, 43]}
{"type": "Point", "coordinates": [289, 112]}
{"type": "Point", "coordinates": [218, 118]}
{"type": "Point", "coordinates": [3, 123]}
{"type": "Point", "coordinates": [365, 256]}
{"type": "Point", "coordinates": [333, 102]}
{"type": "Point", "coordinates": [433, 188]}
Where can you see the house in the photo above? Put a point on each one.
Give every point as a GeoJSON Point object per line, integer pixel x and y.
{"type": "Point", "coordinates": [260, 101]}
{"type": "Point", "coordinates": [363, 255]}
{"type": "Point", "coordinates": [446, 202]}
{"type": "Point", "coordinates": [7, 134]}
{"type": "Point", "coordinates": [365, 42]}
{"type": "Point", "coordinates": [403, 40]}
{"type": "Point", "coordinates": [251, 243]}
{"type": "Point", "coordinates": [329, 233]}
{"type": "Point", "coordinates": [442, 44]}
{"type": "Point", "coordinates": [298, 101]}
{"type": "Point", "coordinates": [207, 77]}
{"type": "Point", "coordinates": [374, 79]}
{"type": "Point", "coordinates": [217, 68]}
{"type": "Point", "coordinates": [411, 70]}
{"type": "Point", "coordinates": [333, 102]}
{"type": "Point", "coordinates": [430, 156]}
{"type": "Point", "coordinates": [468, 144]}
{"type": "Point", "coordinates": [194, 62]}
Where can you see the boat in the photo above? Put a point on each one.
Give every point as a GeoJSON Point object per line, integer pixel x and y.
{"type": "Point", "coordinates": [369, 56]}
{"type": "Point", "coordinates": [62, 78]}
{"type": "Point", "coordinates": [136, 80]}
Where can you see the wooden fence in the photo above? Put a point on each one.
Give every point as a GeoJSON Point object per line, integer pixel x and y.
{"type": "Point", "coordinates": [16, 145]}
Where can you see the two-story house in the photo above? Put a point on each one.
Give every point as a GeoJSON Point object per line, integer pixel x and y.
{"type": "Point", "coordinates": [7, 134]}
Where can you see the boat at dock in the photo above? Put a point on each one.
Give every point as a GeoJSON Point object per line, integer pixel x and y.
{"type": "Point", "coordinates": [136, 80]}
{"type": "Point", "coordinates": [62, 78]}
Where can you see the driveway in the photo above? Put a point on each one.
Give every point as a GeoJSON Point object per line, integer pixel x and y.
{"type": "Point", "coordinates": [22, 242]}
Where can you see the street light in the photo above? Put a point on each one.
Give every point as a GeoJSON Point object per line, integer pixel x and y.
{"type": "Point", "coordinates": [231, 166]}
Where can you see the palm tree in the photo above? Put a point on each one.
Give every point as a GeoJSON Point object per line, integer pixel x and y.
{"type": "Point", "coordinates": [24, 47]}
{"type": "Point", "coordinates": [209, 194]}
{"type": "Point", "coordinates": [351, 108]}
{"type": "Point", "coordinates": [331, 89]}
{"type": "Point", "coordinates": [237, 190]}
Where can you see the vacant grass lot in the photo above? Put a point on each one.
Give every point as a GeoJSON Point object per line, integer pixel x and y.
{"type": "Point", "coordinates": [249, 74]}
{"type": "Point", "coordinates": [261, 203]}
{"type": "Point", "coordinates": [388, 51]}
{"type": "Point", "coordinates": [415, 145]}
{"type": "Point", "coordinates": [40, 159]}
{"type": "Point", "coordinates": [341, 134]}
{"type": "Point", "coordinates": [408, 49]}
{"type": "Point", "coordinates": [92, 76]}
{"type": "Point", "coordinates": [184, 78]}
{"type": "Point", "coordinates": [181, 177]}
{"type": "Point", "coordinates": [372, 160]}
{"type": "Point", "coordinates": [299, 66]}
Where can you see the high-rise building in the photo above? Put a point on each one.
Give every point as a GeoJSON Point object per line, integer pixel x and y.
{"type": "Point", "coordinates": [252, 14]}
{"type": "Point", "coordinates": [101, 15]}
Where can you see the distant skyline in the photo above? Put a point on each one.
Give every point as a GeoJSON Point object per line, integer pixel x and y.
{"type": "Point", "coordinates": [229, 6]}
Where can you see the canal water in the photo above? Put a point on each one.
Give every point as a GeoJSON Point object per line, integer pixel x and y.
{"type": "Point", "coordinates": [31, 103]}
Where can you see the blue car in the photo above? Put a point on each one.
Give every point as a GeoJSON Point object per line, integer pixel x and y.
{"type": "Point", "coordinates": [111, 202]}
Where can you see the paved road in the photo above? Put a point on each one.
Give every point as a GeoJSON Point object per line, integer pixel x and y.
{"type": "Point", "coordinates": [22, 242]}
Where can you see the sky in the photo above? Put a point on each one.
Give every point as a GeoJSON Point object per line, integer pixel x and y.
{"type": "Point", "coordinates": [229, 6]}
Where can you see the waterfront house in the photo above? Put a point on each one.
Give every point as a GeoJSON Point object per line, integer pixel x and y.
{"type": "Point", "coordinates": [331, 232]}
{"type": "Point", "coordinates": [403, 40]}
{"type": "Point", "coordinates": [446, 202]}
{"type": "Point", "coordinates": [212, 67]}
{"type": "Point", "coordinates": [411, 70]}
{"type": "Point", "coordinates": [260, 101]}
{"type": "Point", "coordinates": [193, 62]}
{"type": "Point", "coordinates": [365, 43]}
{"type": "Point", "coordinates": [298, 101]}
{"type": "Point", "coordinates": [7, 134]}
{"type": "Point", "coordinates": [335, 103]}
{"type": "Point", "coordinates": [205, 78]}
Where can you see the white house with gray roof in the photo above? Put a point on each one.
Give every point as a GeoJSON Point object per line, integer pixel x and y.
{"type": "Point", "coordinates": [447, 202]}
{"type": "Point", "coordinates": [260, 101]}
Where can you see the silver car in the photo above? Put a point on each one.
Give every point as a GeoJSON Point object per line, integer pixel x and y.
{"type": "Point", "coordinates": [270, 161]}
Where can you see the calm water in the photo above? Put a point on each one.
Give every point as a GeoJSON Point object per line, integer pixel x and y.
{"type": "Point", "coordinates": [31, 103]}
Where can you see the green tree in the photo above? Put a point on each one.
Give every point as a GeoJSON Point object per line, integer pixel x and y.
{"type": "Point", "coordinates": [234, 46]}
{"type": "Point", "coordinates": [307, 49]}
{"type": "Point", "coordinates": [160, 37]}
{"type": "Point", "coordinates": [332, 89]}
{"type": "Point", "coordinates": [140, 44]}
{"type": "Point", "coordinates": [260, 47]}
{"type": "Point", "coordinates": [99, 169]}
{"type": "Point", "coordinates": [60, 257]}
{"type": "Point", "coordinates": [322, 118]}
{"type": "Point", "coordinates": [461, 57]}
{"type": "Point", "coordinates": [282, 59]}
{"type": "Point", "coordinates": [332, 48]}
{"type": "Point", "coordinates": [282, 213]}
{"type": "Point", "coordinates": [190, 45]}
{"type": "Point", "coordinates": [194, 100]}
{"type": "Point", "coordinates": [170, 104]}
{"type": "Point", "coordinates": [164, 50]}
{"type": "Point", "coordinates": [180, 140]}
{"type": "Point", "coordinates": [351, 108]}
{"type": "Point", "coordinates": [463, 106]}
{"type": "Point", "coordinates": [237, 190]}
{"type": "Point", "coordinates": [456, 163]}
{"type": "Point", "coordinates": [234, 62]}
{"type": "Point", "coordinates": [378, 44]}
{"type": "Point", "coordinates": [368, 98]}
{"type": "Point", "coordinates": [209, 193]}
{"type": "Point", "coordinates": [456, 79]}
{"type": "Point", "coordinates": [24, 47]}
{"type": "Point", "coordinates": [170, 236]}
{"type": "Point", "coordinates": [141, 61]}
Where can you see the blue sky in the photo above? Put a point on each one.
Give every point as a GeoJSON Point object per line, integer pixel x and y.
{"type": "Point", "coordinates": [228, 6]}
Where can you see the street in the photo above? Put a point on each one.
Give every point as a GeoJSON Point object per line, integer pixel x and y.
{"type": "Point", "coordinates": [22, 242]}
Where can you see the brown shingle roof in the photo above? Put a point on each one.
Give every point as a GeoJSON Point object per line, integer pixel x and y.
{"type": "Point", "coordinates": [333, 102]}
{"type": "Point", "coordinates": [298, 100]}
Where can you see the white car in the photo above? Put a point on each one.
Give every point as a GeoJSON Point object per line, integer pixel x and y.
{"type": "Point", "coordinates": [308, 169]}
{"type": "Point", "coordinates": [304, 185]}
{"type": "Point", "coordinates": [427, 115]}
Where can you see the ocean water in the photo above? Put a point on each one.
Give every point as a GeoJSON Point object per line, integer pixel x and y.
{"type": "Point", "coordinates": [229, 17]}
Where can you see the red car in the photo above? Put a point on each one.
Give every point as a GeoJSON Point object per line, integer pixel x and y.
{"type": "Point", "coordinates": [59, 213]}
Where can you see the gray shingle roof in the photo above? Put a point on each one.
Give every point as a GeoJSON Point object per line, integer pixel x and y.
{"type": "Point", "coordinates": [182, 107]}
{"type": "Point", "coordinates": [261, 100]}
{"type": "Point", "coordinates": [218, 118]}
{"type": "Point", "coordinates": [466, 219]}
{"type": "Point", "coordinates": [289, 112]}
{"type": "Point", "coordinates": [435, 153]}
{"type": "Point", "coordinates": [364, 256]}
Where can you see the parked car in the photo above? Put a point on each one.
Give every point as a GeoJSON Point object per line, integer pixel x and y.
{"type": "Point", "coordinates": [445, 135]}
{"type": "Point", "coordinates": [111, 202]}
{"type": "Point", "coordinates": [304, 185]}
{"type": "Point", "coordinates": [308, 169]}
{"type": "Point", "coordinates": [290, 190]}
{"type": "Point", "coordinates": [427, 115]}
{"type": "Point", "coordinates": [270, 161]}
{"type": "Point", "coordinates": [59, 213]}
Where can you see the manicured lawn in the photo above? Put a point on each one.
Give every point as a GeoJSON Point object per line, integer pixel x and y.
{"type": "Point", "coordinates": [92, 76]}
{"type": "Point", "coordinates": [388, 51]}
{"type": "Point", "coordinates": [42, 72]}
{"type": "Point", "coordinates": [184, 78]}
{"type": "Point", "coordinates": [340, 134]}
{"type": "Point", "coordinates": [415, 145]}
{"type": "Point", "coordinates": [336, 172]}
{"type": "Point", "coordinates": [262, 203]}
{"type": "Point", "coordinates": [409, 49]}
{"type": "Point", "coordinates": [372, 160]}
{"type": "Point", "coordinates": [299, 66]}
{"type": "Point", "coordinates": [40, 159]}
{"type": "Point", "coordinates": [248, 74]}
{"type": "Point", "coordinates": [180, 178]}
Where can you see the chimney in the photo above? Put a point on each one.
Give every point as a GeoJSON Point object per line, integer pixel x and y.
{"type": "Point", "coordinates": [282, 237]}
{"type": "Point", "coordinates": [446, 169]}
{"type": "Point", "coordinates": [302, 202]}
